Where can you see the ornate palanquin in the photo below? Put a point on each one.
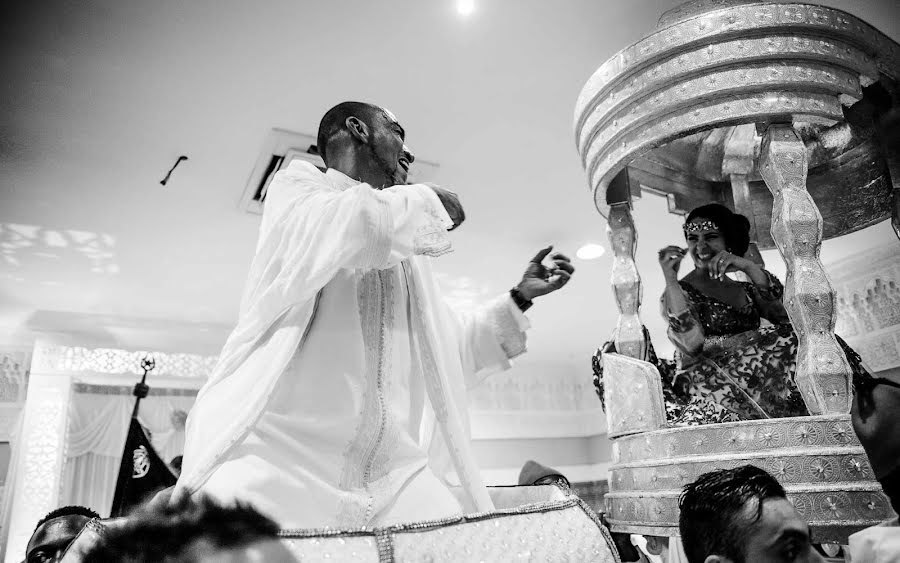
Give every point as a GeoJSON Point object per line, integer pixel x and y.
{"type": "Point", "coordinates": [537, 523]}
{"type": "Point", "coordinates": [544, 523]}
{"type": "Point", "coordinates": [790, 114]}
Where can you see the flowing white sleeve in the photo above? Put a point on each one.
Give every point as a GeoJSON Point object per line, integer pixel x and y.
{"type": "Point", "coordinates": [310, 231]}
{"type": "Point", "coordinates": [490, 337]}
{"type": "Point", "coordinates": [370, 229]}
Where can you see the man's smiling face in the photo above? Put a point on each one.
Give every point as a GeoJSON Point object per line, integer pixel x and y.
{"type": "Point", "coordinates": [392, 156]}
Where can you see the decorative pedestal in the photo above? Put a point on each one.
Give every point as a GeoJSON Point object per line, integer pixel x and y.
{"type": "Point", "coordinates": [817, 459]}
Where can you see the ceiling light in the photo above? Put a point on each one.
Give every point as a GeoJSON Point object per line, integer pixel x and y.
{"type": "Point", "coordinates": [465, 7]}
{"type": "Point", "coordinates": [590, 252]}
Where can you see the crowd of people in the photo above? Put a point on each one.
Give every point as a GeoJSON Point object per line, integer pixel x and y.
{"type": "Point", "coordinates": [289, 434]}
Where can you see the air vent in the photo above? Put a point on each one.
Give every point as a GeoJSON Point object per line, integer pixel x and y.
{"type": "Point", "coordinates": [282, 147]}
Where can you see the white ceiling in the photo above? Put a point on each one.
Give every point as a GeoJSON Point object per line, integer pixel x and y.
{"type": "Point", "coordinates": [101, 97]}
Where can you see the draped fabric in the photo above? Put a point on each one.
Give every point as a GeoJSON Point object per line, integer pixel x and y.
{"type": "Point", "coordinates": [311, 229]}
{"type": "Point", "coordinates": [97, 427]}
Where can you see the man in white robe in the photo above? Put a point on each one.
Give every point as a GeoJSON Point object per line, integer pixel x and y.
{"type": "Point", "coordinates": [339, 399]}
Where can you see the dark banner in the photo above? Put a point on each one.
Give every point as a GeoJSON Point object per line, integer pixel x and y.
{"type": "Point", "coordinates": [142, 472]}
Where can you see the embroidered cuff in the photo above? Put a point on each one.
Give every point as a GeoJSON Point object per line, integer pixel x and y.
{"type": "Point", "coordinates": [434, 206]}
{"type": "Point", "coordinates": [431, 238]}
{"type": "Point", "coordinates": [509, 324]}
{"type": "Point", "coordinates": [681, 322]}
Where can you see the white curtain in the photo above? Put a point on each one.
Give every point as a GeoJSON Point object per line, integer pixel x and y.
{"type": "Point", "coordinates": [98, 424]}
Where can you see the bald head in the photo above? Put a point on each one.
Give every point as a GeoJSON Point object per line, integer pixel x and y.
{"type": "Point", "coordinates": [334, 121]}
{"type": "Point", "coordinates": [365, 142]}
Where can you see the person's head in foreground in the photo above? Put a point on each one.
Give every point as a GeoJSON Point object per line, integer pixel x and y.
{"type": "Point", "coordinates": [192, 531]}
{"type": "Point", "coordinates": [55, 531]}
{"type": "Point", "coordinates": [741, 515]}
{"type": "Point", "coordinates": [876, 418]}
{"type": "Point", "coordinates": [533, 473]}
{"type": "Point", "coordinates": [365, 142]}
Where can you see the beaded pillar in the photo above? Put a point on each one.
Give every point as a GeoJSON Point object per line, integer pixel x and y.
{"type": "Point", "coordinates": [823, 374]}
{"type": "Point", "coordinates": [626, 282]}
{"type": "Point", "coordinates": [740, 189]}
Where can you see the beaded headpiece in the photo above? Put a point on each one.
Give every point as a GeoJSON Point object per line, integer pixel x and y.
{"type": "Point", "coordinates": [693, 227]}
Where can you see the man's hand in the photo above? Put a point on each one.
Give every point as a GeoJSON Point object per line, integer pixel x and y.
{"type": "Point", "coordinates": [451, 203]}
{"type": "Point", "coordinates": [539, 280]}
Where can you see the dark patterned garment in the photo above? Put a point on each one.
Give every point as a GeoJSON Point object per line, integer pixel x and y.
{"type": "Point", "coordinates": [742, 371]}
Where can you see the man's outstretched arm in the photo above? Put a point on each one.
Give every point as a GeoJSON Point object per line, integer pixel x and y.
{"type": "Point", "coordinates": [493, 334]}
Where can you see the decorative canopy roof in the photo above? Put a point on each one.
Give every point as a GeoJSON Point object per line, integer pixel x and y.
{"type": "Point", "coordinates": [680, 110]}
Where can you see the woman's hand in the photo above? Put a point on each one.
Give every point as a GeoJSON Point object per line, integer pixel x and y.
{"type": "Point", "coordinates": [725, 262]}
{"type": "Point", "coordinates": [670, 259]}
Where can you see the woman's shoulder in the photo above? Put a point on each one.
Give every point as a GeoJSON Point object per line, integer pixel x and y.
{"type": "Point", "coordinates": [690, 283]}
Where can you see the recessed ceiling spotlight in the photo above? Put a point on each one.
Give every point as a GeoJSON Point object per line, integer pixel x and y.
{"type": "Point", "coordinates": [465, 7]}
{"type": "Point", "coordinates": [590, 252]}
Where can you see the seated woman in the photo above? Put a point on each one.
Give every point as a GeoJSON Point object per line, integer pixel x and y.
{"type": "Point", "coordinates": [727, 366]}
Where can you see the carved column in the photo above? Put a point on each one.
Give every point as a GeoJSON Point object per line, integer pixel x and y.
{"type": "Point", "coordinates": [626, 282]}
{"type": "Point", "coordinates": [823, 374]}
{"type": "Point", "coordinates": [41, 455]}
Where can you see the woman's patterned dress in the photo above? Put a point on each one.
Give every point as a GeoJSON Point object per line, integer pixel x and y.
{"type": "Point", "coordinates": [744, 370]}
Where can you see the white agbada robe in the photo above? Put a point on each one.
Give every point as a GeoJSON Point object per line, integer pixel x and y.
{"type": "Point", "coordinates": [339, 399]}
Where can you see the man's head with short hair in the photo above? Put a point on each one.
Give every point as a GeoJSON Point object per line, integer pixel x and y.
{"type": "Point", "coordinates": [741, 515]}
{"type": "Point", "coordinates": [534, 473]}
{"type": "Point", "coordinates": [55, 531]}
{"type": "Point", "coordinates": [876, 416]}
{"type": "Point", "coordinates": [192, 531]}
{"type": "Point", "coordinates": [365, 142]}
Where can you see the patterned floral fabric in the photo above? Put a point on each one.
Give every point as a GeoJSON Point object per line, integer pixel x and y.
{"type": "Point", "coordinates": [744, 371]}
